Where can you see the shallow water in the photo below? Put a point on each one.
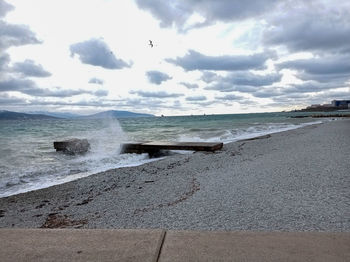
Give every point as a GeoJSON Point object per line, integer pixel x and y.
{"type": "Point", "coordinates": [28, 160]}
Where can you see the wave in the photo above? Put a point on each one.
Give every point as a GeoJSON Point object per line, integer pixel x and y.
{"type": "Point", "coordinates": [232, 135]}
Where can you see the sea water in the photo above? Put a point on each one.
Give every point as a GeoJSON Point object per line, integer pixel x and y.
{"type": "Point", "coordinates": [28, 160]}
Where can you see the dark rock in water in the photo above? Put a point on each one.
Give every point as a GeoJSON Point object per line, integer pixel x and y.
{"type": "Point", "coordinates": [72, 146]}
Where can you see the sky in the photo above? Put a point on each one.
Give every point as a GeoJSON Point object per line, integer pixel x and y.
{"type": "Point", "coordinates": [206, 57]}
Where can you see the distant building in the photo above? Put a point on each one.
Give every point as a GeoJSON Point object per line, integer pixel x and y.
{"type": "Point", "coordinates": [341, 103]}
{"type": "Point", "coordinates": [314, 106]}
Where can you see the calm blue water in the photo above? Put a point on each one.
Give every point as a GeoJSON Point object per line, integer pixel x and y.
{"type": "Point", "coordinates": [28, 160]}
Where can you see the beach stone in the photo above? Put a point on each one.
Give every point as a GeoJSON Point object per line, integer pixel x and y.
{"type": "Point", "coordinates": [72, 146]}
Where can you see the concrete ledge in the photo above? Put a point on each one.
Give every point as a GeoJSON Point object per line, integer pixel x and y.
{"type": "Point", "coordinates": [158, 245]}
{"type": "Point", "coordinates": [79, 245]}
{"type": "Point", "coordinates": [255, 246]}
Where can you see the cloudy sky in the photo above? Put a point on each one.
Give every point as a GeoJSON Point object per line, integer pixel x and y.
{"type": "Point", "coordinates": [227, 56]}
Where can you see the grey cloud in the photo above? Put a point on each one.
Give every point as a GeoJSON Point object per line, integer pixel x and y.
{"type": "Point", "coordinates": [312, 28]}
{"type": "Point", "coordinates": [189, 86]}
{"type": "Point", "coordinates": [321, 65]}
{"type": "Point", "coordinates": [167, 12]}
{"type": "Point", "coordinates": [96, 80]}
{"type": "Point", "coordinates": [230, 97]}
{"type": "Point", "coordinates": [206, 103]}
{"type": "Point", "coordinates": [15, 35]}
{"type": "Point", "coordinates": [142, 103]}
{"type": "Point", "coordinates": [149, 103]}
{"type": "Point", "coordinates": [268, 92]}
{"type": "Point", "coordinates": [157, 77]}
{"type": "Point", "coordinates": [58, 92]}
{"type": "Point", "coordinates": [331, 95]}
{"type": "Point", "coordinates": [96, 52]}
{"type": "Point", "coordinates": [225, 86]}
{"type": "Point", "coordinates": [160, 94]}
{"type": "Point", "coordinates": [222, 87]}
{"type": "Point", "coordinates": [83, 103]}
{"type": "Point", "coordinates": [250, 79]}
{"type": "Point", "coordinates": [324, 97]}
{"type": "Point", "coordinates": [196, 98]}
{"type": "Point", "coordinates": [296, 90]}
{"type": "Point", "coordinates": [324, 78]}
{"type": "Point", "coordinates": [29, 87]}
{"type": "Point", "coordinates": [4, 61]}
{"type": "Point", "coordinates": [12, 84]}
{"type": "Point", "coordinates": [310, 87]}
{"type": "Point", "coordinates": [333, 68]}
{"type": "Point", "coordinates": [209, 77]}
{"type": "Point", "coordinates": [30, 68]}
{"type": "Point", "coordinates": [177, 104]}
{"type": "Point", "coordinates": [196, 61]}
{"type": "Point", "coordinates": [243, 81]}
{"type": "Point", "coordinates": [5, 99]}
{"type": "Point", "coordinates": [4, 8]}
{"type": "Point", "coordinates": [44, 92]}
{"type": "Point", "coordinates": [177, 12]}
{"type": "Point", "coordinates": [100, 92]}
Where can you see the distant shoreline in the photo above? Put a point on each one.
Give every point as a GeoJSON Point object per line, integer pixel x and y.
{"type": "Point", "coordinates": [9, 115]}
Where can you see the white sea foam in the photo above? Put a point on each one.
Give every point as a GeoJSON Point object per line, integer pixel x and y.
{"type": "Point", "coordinates": [44, 182]}
{"type": "Point", "coordinates": [256, 130]}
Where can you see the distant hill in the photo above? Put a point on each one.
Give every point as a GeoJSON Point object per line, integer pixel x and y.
{"type": "Point", "coordinates": [8, 115]}
{"type": "Point", "coordinates": [116, 114]}
{"type": "Point", "coordinates": [51, 115]}
{"type": "Point", "coordinates": [56, 114]}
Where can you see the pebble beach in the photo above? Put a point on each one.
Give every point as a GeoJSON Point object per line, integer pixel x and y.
{"type": "Point", "coordinates": [297, 180]}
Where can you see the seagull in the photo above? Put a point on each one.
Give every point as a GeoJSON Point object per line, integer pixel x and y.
{"type": "Point", "coordinates": [150, 43]}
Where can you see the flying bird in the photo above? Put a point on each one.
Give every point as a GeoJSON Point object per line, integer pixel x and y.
{"type": "Point", "coordinates": [151, 43]}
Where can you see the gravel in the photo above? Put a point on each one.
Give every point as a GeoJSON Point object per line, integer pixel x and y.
{"type": "Point", "coordinates": [296, 180]}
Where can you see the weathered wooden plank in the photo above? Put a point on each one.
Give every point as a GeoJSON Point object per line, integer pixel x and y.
{"type": "Point", "coordinates": [155, 146]}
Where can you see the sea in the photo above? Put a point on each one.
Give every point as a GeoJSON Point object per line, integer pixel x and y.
{"type": "Point", "coordinates": [28, 160]}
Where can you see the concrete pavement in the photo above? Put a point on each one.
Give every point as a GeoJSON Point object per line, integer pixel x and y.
{"type": "Point", "coordinates": [160, 245]}
{"type": "Point", "coordinates": [255, 246]}
{"type": "Point", "coordinates": [79, 245]}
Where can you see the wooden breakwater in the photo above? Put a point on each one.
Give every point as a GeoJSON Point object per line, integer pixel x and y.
{"type": "Point", "coordinates": [322, 116]}
{"type": "Point", "coordinates": [153, 148]}
{"type": "Point", "coordinates": [334, 115]}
